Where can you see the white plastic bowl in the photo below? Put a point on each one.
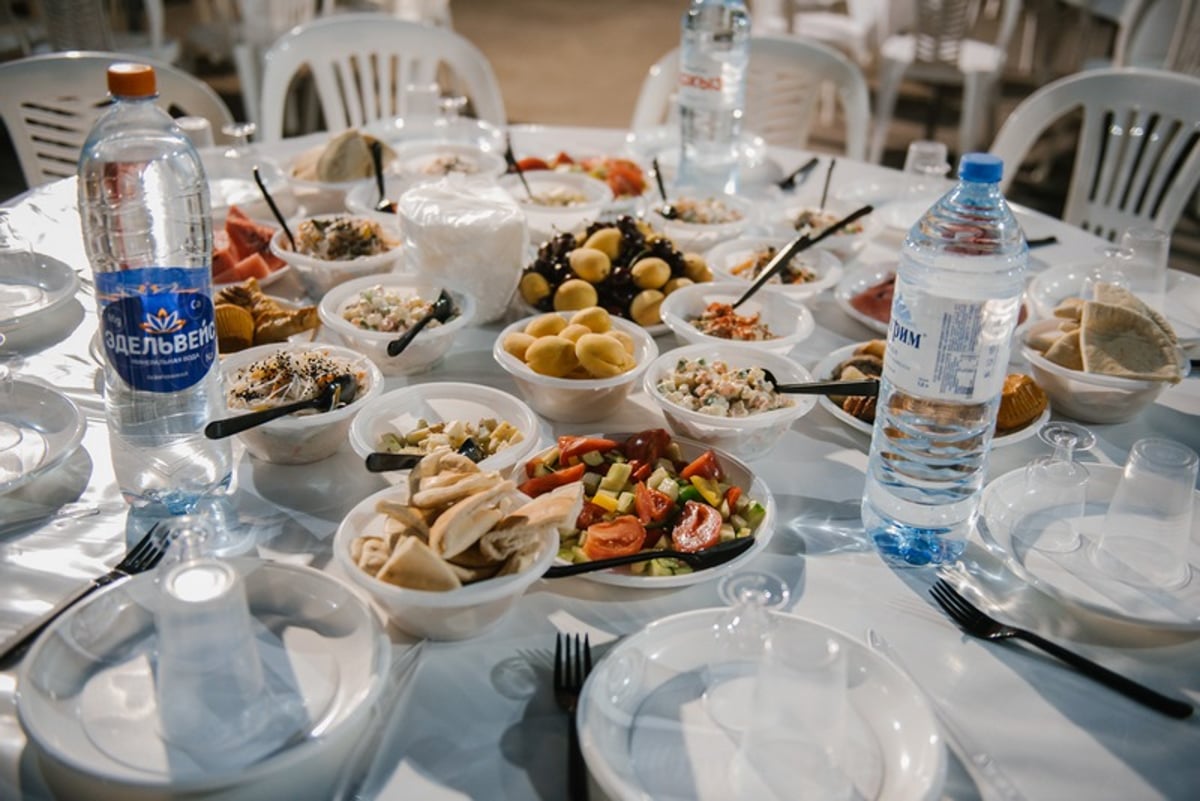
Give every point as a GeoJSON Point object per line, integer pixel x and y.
{"type": "Point", "coordinates": [321, 275]}
{"type": "Point", "coordinates": [692, 237]}
{"type": "Point", "coordinates": [575, 400]}
{"type": "Point", "coordinates": [545, 221]}
{"type": "Point", "coordinates": [361, 200]}
{"type": "Point", "coordinates": [399, 411]}
{"type": "Point", "coordinates": [745, 437]}
{"type": "Point", "coordinates": [727, 255]}
{"type": "Point", "coordinates": [319, 197]}
{"type": "Point", "coordinates": [451, 615]}
{"type": "Point", "coordinates": [303, 438]}
{"type": "Point", "coordinates": [416, 160]}
{"type": "Point", "coordinates": [1089, 397]}
{"type": "Point", "coordinates": [424, 351]}
{"type": "Point", "coordinates": [842, 243]}
{"type": "Point", "coordinates": [790, 322]}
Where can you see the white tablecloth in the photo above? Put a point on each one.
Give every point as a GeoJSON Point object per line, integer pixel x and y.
{"type": "Point", "coordinates": [479, 719]}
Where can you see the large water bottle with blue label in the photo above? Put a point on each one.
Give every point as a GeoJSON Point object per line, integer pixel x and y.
{"type": "Point", "coordinates": [147, 228]}
{"type": "Point", "coordinates": [957, 298]}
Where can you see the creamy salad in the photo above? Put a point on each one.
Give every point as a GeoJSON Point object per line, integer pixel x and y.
{"type": "Point", "coordinates": [449, 163]}
{"type": "Point", "coordinates": [556, 197]}
{"type": "Point", "coordinates": [287, 376]}
{"type": "Point", "coordinates": [709, 211]}
{"type": "Point", "coordinates": [716, 389]}
{"type": "Point", "coordinates": [341, 238]}
{"type": "Point", "coordinates": [380, 308]}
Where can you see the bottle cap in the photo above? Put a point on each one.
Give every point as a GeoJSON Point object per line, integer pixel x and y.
{"type": "Point", "coordinates": [126, 79]}
{"type": "Point", "coordinates": [981, 168]}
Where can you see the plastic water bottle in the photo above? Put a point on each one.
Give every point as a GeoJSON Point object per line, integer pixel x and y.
{"type": "Point", "coordinates": [956, 303]}
{"type": "Point", "coordinates": [713, 57]}
{"type": "Point", "coordinates": [147, 228]}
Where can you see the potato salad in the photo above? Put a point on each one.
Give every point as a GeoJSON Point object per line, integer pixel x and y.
{"type": "Point", "coordinates": [716, 389]}
{"type": "Point", "coordinates": [379, 308]}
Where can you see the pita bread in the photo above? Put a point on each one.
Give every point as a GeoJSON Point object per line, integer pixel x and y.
{"type": "Point", "coordinates": [1119, 296]}
{"type": "Point", "coordinates": [1040, 341]}
{"type": "Point", "coordinates": [439, 497]}
{"type": "Point", "coordinates": [415, 520]}
{"type": "Point", "coordinates": [369, 553]}
{"type": "Point", "coordinates": [436, 463]}
{"type": "Point", "coordinates": [473, 557]}
{"type": "Point", "coordinates": [520, 561]}
{"type": "Point", "coordinates": [413, 565]}
{"type": "Point", "coordinates": [468, 575]}
{"type": "Point", "coordinates": [554, 510]}
{"type": "Point", "coordinates": [1069, 309]}
{"type": "Point", "coordinates": [1066, 351]}
{"type": "Point", "coordinates": [461, 526]}
{"type": "Point", "coordinates": [1118, 341]}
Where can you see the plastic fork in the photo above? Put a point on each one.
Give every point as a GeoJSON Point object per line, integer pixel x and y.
{"type": "Point", "coordinates": [572, 664]}
{"type": "Point", "coordinates": [142, 557]}
{"type": "Point", "coordinates": [975, 622]}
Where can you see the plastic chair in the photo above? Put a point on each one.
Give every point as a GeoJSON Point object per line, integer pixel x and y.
{"type": "Point", "coordinates": [782, 90]}
{"type": "Point", "coordinates": [361, 64]}
{"type": "Point", "coordinates": [939, 53]}
{"type": "Point", "coordinates": [853, 32]}
{"type": "Point", "coordinates": [263, 22]}
{"type": "Point", "coordinates": [51, 101]}
{"type": "Point", "coordinates": [1138, 156]}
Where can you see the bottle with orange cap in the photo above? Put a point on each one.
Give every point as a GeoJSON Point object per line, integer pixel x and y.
{"type": "Point", "coordinates": [147, 228]}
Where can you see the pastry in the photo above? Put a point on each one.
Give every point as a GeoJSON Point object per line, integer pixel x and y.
{"type": "Point", "coordinates": [1021, 402]}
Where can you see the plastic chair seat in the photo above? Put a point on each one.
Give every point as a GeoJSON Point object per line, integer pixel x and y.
{"type": "Point", "coordinates": [838, 30]}
{"type": "Point", "coordinates": [973, 56]}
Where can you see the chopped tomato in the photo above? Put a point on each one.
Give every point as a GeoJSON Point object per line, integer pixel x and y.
{"type": "Point", "coordinates": [698, 528]}
{"type": "Point", "coordinates": [531, 467]}
{"type": "Point", "coordinates": [562, 159]}
{"type": "Point", "coordinates": [578, 446]}
{"type": "Point", "coordinates": [532, 163]}
{"type": "Point", "coordinates": [731, 497]}
{"type": "Point", "coordinates": [646, 446]}
{"type": "Point", "coordinates": [641, 470]}
{"type": "Point", "coordinates": [625, 178]}
{"type": "Point", "coordinates": [705, 465]}
{"type": "Point", "coordinates": [619, 537]}
{"type": "Point", "coordinates": [536, 486]}
{"type": "Point", "coordinates": [652, 506]}
{"type": "Point", "coordinates": [589, 514]}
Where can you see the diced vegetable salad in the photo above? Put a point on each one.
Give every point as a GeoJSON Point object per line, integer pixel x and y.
{"type": "Point", "coordinates": [642, 494]}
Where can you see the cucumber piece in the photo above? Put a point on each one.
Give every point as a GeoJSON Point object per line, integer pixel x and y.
{"type": "Point", "coordinates": [591, 483]}
{"type": "Point", "coordinates": [675, 454]}
{"type": "Point", "coordinates": [727, 532]}
{"type": "Point", "coordinates": [551, 457]}
{"type": "Point", "coordinates": [638, 568]}
{"type": "Point", "coordinates": [660, 567]}
{"type": "Point", "coordinates": [577, 555]}
{"type": "Point", "coordinates": [670, 489]}
{"type": "Point", "coordinates": [618, 475]}
{"type": "Point", "coordinates": [625, 502]}
{"type": "Point", "coordinates": [754, 514]}
{"type": "Point", "coordinates": [743, 532]}
{"type": "Point", "coordinates": [657, 478]}
{"type": "Point", "coordinates": [593, 458]}
{"type": "Point", "coordinates": [737, 521]}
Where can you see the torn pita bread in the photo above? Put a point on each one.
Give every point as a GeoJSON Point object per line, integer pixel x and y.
{"type": "Point", "coordinates": [1069, 309]}
{"type": "Point", "coordinates": [461, 526]}
{"type": "Point", "coordinates": [520, 561]}
{"type": "Point", "coordinates": [413, 565]}
{"type": "Point", "coordinates": [436, 463]}
{"type": "Point", "coordinates": [474, 558]}
{"type": "Point", "coordinates": [1066, 351]}
{"type": "Point", "coordinates": [1040, 341]}
{"type": "Point", "coordinates": [369, 553]}
{"type": "Point", "coordinates": [415, 521]}
{"type": "Point", "coordinates": [469, 575]}
{"type": "Point", "coordinates": [438, 497]}
{"type": "Point", "coordinates": [554, 510]}
{"type": "Point", "coordinates": [1118, 341]}
{"type": "Point", "coordinates": [1119, 296]}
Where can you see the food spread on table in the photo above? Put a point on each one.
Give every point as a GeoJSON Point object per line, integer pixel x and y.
{"type": "Point", "coordinates": [814, 221]}
{"type": "Point", "coordinates": [584, 346]}
{"type": "Point", "coordinates": [245, 317]}
{"type": "Point", "coordinates": [717, 389]}
{"type": "Point", "coordinates": [287, 376]}
{"type": "Point", "coordinates": [705, 211]}
{"type": "Point", "coordinates": [489, 435]}
{"type": "Point", "coordinates": [796, 271]}
{"type": "Point", "coordinates": [381, 308]}
{"type": "Point", "coordinates": [460, 526]}
{"type": "Point", "coordinates": [642, 494]}
{"type": "Point", "coordinates": [341, 238]}
{"type": "Point", "coordinates": [624, 266]}
{"type": "Point", "coordinates": [876, 300]}
{"type": "Point", "coordinates": [347, 157]}
{"type": "Point", "coordinates": [624, 177]}
{"type": "Point", "coordinates": [1115, 334]}
{"type": "Point", "coordinates": [242, 250]}
{"type": "Point", "coordinates": [721, 320]}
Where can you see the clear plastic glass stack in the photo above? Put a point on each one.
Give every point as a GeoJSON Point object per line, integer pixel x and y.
{"type": "Point", "coordinates": [956, 304]}
{"type": "Point", "coordinates": [147, 228]}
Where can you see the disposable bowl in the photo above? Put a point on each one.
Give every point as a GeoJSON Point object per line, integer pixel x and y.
{"type": "Point", "coordinates": [729, 254]}
{"type": "Point", "coordinates": [546, 221]}
{"type": "Point", "coordinates": [430, 345]}
{"type": "Point", "coordinates": [694, 237]}
{"type": "Point", "coordinates": [790, 322]}
{"type": "Point", "coordinates": [306, 437]}
{"type": "Point", "coordinates": [321, 275]}
{"type": "Point", "coordinates": [748, 437]}
{"type": "Point", "coordinates": [575, 400]}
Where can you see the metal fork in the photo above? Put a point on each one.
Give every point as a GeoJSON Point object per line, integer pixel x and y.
{"type": "Point", "coordinates": [143, 556]}
{"type": "Point", "coordinates": [978, 624]}
{"type": "Point", "coordinates": [572, 664]}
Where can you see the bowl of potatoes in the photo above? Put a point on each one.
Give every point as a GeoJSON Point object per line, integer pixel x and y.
{"type": "Point", "coordinates": [574, 366]}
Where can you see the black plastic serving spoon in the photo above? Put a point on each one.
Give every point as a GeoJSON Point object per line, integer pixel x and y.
{"type": "Point", "coordinates": [382, 462]}
{"type": "Point", "coordinates": [339, 392]}
{"type": "Point", "coordinates": [262, 187]}
{"type": "Point", "coordinates": [383, 204]}
{"type": "Point", "coordinates": [511, 159]}
{"type": "Point", "coordinates": [863, 386]}
{"type": "Point", "coordinates": [442, 310]}
{"type": "Point", "coordinates": [668, 211]}
{"type": "Point", "coordinates": [800, 174]}
{"type": "Point", "coordinates": [700, 560]}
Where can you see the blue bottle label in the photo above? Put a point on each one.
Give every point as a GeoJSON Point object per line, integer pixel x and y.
{"type": "Point", "coordinates": [157, 326]}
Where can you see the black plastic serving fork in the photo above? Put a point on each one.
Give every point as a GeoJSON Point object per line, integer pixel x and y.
{"type": "Point", "coordinates": [978, 624]}
{"type": "Point", "coordinates": [572, 664]}
{"type": "Point", "coordinates": [142, 557]}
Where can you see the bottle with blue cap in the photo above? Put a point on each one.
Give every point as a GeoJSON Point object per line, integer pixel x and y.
{"type": "Point", "coordinates": [956, 303]}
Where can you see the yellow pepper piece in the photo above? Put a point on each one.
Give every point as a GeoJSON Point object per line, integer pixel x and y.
{"type": "Point", "coordinates": [607, 502]}
{"type": "Point", "coordinates": [708, 489]}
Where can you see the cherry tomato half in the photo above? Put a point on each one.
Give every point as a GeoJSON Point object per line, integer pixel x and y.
{"type": "Point", "coordinates": [646, 446]}
{"type": "Point", "coordinates": [619, 537]}
{"type": "Point", "coordinates": [698, 528]}
{"type": "Point", "coordinates": [705, 465]}
{"type": "Point", "coordinates": [652, 506]}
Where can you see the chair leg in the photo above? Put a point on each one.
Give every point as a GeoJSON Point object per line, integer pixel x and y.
{"type": "Point", "coordinates": [890, 75]}
{"type": "Point", "coordinates": [245, 61]}
{"type": "Point", "coordinates": [977, 93]}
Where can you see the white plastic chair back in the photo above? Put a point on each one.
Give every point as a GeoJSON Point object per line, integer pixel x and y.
{"type": "Point", "coordinates": [1138, 156]}
{"type": "Point", "coordinates": [361, 64]}
{"type": "Point", "coordinates": [50, 103]}
{"type": "Point", "coordinates": [782, 90]}
{"type": "Point", "coordinates": [153, 41]}
{"type": "Point", "coordinates": [1184, 55]}
{"type": "Point", "coordinates": [941, 27]}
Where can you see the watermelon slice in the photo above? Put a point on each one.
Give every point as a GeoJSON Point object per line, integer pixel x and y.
{"type": "Point", "coordinates": [253, 266]}
{"type": "Point", "coordinates": [248, 237]}
{"type": "Point", "coordinates": [235, 213]}
{"type": "Point", "coordinates": [223, 260]}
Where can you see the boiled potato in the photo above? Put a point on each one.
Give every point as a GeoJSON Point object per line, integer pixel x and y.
{"type": "Point", "coordinates": [552, 356]}
{"type": "Point", "coordinates": [594, 317]}
{"type": "Point", "coordinates": [545, 325]}
{"type": "Point", "coordinates": [534, 288]}
{"type": "Point", "coordinates": [624, 338]}
{"type": "Point", "coordinates": [574, 331]}
{"type": "Point", "coordinates": [676, 283]}
{"type": "Point", "coordinates": [696, 268]}
{"type": "Point", "coordinates": [575, 294]}
{"type": "Point", "coordinates": [607, 241]}
{"type": "Point", "coordinates": [517, 343]}
{"type": "Point", "coordinates": [645, 308]}
{"type": "Point", "coordinates": [602, 356]}
{"type": "Point", "coordinates": [590, 264]}
{"type": "Point", "coordinates": [651, 273]}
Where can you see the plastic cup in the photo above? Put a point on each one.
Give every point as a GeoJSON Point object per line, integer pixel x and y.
{"type": "Point", "coordinates": [1146, 270]}
{"type": "Point", "coordinates": [197, 129]}
{"type": "Point", "coordinates": [421, 100]}
{"type": "Point", "coordinates": [795, 746]}
{"type": "Point", "coordinates": [1149, 521]}
{"type": "Point", "coordinates": [927, 158]}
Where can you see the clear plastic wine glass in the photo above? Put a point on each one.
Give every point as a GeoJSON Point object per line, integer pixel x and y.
{"type": "Point", "coordinates": [1113, 269]}
{"type": "Point", "coordinates": [1055, 496]}
{"type": "Point", "coordinates": [448, 125]}
{"type": "Point", "coordinates": [740, 641]}
{"type": "Point", "coordinates": [231, 177]}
